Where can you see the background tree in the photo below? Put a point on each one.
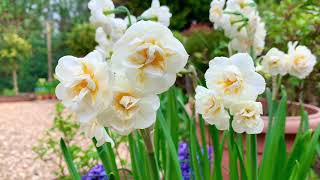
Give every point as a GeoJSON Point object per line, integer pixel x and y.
{"type": "Point", "coordinates": [14, 49]}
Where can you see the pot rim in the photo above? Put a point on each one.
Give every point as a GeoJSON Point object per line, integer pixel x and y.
{"type": "Point", "coordinates": [293, 122]}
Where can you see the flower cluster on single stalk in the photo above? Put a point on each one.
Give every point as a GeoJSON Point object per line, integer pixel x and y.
{"type": "Point", "coordinates": [233, 87]}
{"type": "Point", "coordinates": [299, 61]}
{"type": "Point", "coordinates": [116, 85]}
{"type": "Point", "coordinates": [241, 22]}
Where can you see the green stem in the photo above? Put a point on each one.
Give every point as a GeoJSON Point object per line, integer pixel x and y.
{"type": "Point", "coordinates": [206, 160]}
{"type": "Point", "coordinates": [217, 153]}
{"type": "Point", "coordinates": [151, 156]}
{"type": "Point", "coordinates": [118, 10]}
{"type": "Point", "coordinates": [147, 19]}
{"type": "Point", "coordinates": [252, 156]}
{"type": "Point", "coordinates": [233, 168]}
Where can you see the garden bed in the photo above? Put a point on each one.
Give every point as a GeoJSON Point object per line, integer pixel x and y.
{"type": "Point", "coordinates": [18, 98]}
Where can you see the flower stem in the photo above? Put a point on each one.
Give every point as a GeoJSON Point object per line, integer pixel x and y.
{"type": "Point", "coordinates": [147, 19]}
{"type": "Point", "coordinates": [151, 156]}
{"type": "Point", "coordinates": [118, 10]}
{"type": "Point", "coordinates": [252, 156]}
{"type": "Point", "coordinates": [233, 168]}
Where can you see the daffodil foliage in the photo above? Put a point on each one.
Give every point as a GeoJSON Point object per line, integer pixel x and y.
{"type": "Point", "coordinates": [126, 86]}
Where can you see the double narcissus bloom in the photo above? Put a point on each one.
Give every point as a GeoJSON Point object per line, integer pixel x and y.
{"type": "Point", "coordinates": [300, 60]}
{"type": "Point", "coordinates": [85, 84]}
{"type": "Point", "coordinates": [274, 62]}
{"type": "Point", "coordinates": [210, 105]}
{"type": "Point", "coordinates": [150, 56]}
{"type": "Point", "coordinates": [241, 23]}
{"type": "Point", "coordinates": [109, 28]}
{"type": "Point", "coordinates": [98, 16]}
{"type": "Point", "coordinates": [130, 109]}
{"type": "Point", "coordinates": [231, 81]}
{"type": "Point", "coordinates": [216, 13]}
{"type": "Point", "coordinates": [85, 88]}
{"type": "Point", "coordinates": [121, 93]}
{"type": "Point", "coordinates": [235, 78]}
{"type": "Point", "coordinates": [158, 13]}
{"type": "Point", "coordinates": [246, 117]}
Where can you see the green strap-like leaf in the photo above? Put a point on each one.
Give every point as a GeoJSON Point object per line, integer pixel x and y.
{"type": "Point", "coordinates": [272, 142]}
{"type": "Point", "coordinates": [68, 159]}
{"type": "Point", "coordinates": [108, 158]}
{"type": "Point", "coordinates": [134, 158]}
{"type": "Point", "coordinates": [193, 151]}
{"type": "Point", "coordinates": [170, 145]}
{"type": "Point", "coordinates": [252, 156]}
{"type": "Point", "coordinates": [233, 168]}
{"type": "Point", "coordinates": [309, 155]}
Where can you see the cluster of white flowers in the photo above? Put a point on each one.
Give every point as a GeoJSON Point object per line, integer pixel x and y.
{"type": "Point", "coordinates": [116, 85]}
{"type": "Point", "coordinates": [110, 28]}
{"type": "Point", "coordinates": [241, 22]}
{"type": "Point", "coordinates": [299, 61]}
{"type": "Point", "coordinates": [233, 87]}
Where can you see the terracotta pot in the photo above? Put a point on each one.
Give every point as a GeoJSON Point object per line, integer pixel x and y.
{"type": "Point", "coordinates": [292, 122]}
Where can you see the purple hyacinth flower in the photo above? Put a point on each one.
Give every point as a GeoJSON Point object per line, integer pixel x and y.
{"type": "Point", "coordinates": [96, 173]}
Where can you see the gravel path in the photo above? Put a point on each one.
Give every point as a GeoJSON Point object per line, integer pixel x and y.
{"type": "Point", "coordinates": [21, 124]}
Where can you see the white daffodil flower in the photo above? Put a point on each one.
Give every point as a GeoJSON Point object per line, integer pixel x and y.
{"type": "Point", "coordinates": [210, 105]}
{"type": "Point", "coordinates": [105, 43]}
{"type": "Point", "coordinates": [252, 35]}
{"type": "Point", "coordinates": [150, 56]}
{"type": "Point", "coordinates": [160, 13]}
{"type": "Point", "coordinates": [93, 129]}
{"type": "Point", "coordinates": [242, 6]}
{"type": "Point", "coordinates": [119, 27]}
{"type": "Point", "coordinates": [85, 84]}
{"type": "Point", "coordinates": [130, 109]}
{"type": "Point", "coordinates": [216, 13]}
{"type": "Point", "coordinates": [246, 117]}
{"type": "Point", "coordinates": [234, 78]}
{"type": "Point", "coordinates": [274, 62]}
{"type": "Point", "coordinates": [98, 17]}
{"type": "Point", "coordinates": [300, 60]}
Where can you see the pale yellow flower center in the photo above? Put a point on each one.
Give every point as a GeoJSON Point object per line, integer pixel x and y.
{"type": "Point", "coordinates": [92, 86]}
{"type": "Point", "coordinates": [213, 106]}
{"type": "Point", "coordinates": [216, 11]}
{"type": "Point", "coordinates": [274, 62]}
{"type": "Point", "coordinates": [247, 114]}
{"type": "Point", "coordinates": [150, 54]}
{"type": "Point", "coordinates": [125, 104]}
{"type": "Point", "coordinates": [300, 61]}
{"type": "Point", "coordinates": [242, 3]}
{"type": "Point", "coordinates": [232, 83]}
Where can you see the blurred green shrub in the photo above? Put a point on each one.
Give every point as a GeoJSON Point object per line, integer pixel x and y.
{"type": "Point", "coordinates": [14, 49]}
{"type": "Point", "coordinates": [295, 20]}
{"type": "Point", "coordinates": [8, 92]}
{"type": "Point", "coordinates": [45, 87]}
{"type": "Point", "coordinates": [183, 12]}
{"type": "Point", "coordinates": [81, 39]}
